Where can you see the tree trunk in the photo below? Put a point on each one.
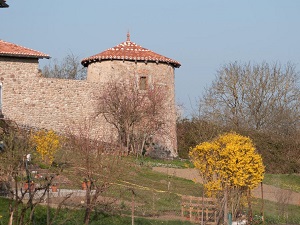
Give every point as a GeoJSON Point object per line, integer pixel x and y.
{"type": "Point", "coordinates": [249, 207]}
{"type": "Point", "coordinates": [48, 208]}
{"type": "Point", "coordinates": [88, 209]}
{"type": "Point", "coordinates": [132, 208]}
{"type": "Point", "coordinates": [226, 206]}
{"type": "Point", "coordinates": [17, 196]}
{"type": "Point", "coordinates": [263, 203]}
{"type": "Point", "coordinates": [87, 215]}
{"type": "Point", "coordinates": [10, 222]}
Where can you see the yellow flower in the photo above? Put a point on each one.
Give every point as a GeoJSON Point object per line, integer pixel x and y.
{"type": "Point", "coordinates": [229, 160]}
{"type": "Point", "coordinates": [47, 143]}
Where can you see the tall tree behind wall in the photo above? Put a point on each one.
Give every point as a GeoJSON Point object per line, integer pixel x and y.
{"type": "Point", "coordinates": [69, 68]}
{"type": "Point", "coordinates": [262, 97]}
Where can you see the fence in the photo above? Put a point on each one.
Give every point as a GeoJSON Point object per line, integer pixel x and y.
{"type": "Point", "coordinates": [199, 209]}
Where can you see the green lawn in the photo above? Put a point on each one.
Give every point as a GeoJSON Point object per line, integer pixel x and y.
{"type": "Point", "coordinates": [176, 163]}
{"type": "Point", "coordinates": [285, 181]}
{"type": "Point", "coordinates": [276, 213]}
{"type": "Point", "coordinates": [75, 217]}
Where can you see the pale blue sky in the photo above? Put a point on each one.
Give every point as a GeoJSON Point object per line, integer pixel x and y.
{"type": "Point", "coordinates": [201, 35]}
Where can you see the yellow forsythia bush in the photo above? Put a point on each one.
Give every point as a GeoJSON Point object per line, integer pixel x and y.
{"type": "Point", "coordinates": [46, 143]}
{"type": "Point", "coordinates": [229, 161]}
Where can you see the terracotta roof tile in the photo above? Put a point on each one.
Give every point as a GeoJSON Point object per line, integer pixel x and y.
{"type": "Point", "coordinates": [10, 49]}
{"type": "Point", "coordinates": [129, 51]}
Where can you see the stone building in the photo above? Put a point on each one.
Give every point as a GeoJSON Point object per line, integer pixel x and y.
{"type": "Point", "coordinates": [58, 104]}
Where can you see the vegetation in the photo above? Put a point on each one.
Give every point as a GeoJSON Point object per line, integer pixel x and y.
{"type": "Point", "coordinates": [73, 217]}
{"type": "Point", "coordinates": [256, 101]}
{"type": "Point", "coordinates": [93, 163]}
{"type": "Point", "coordinates": [261, 97]}
{"type": "Point", "coordinates": [284, 181]}
{"type": "Point", "coordinates": [68, 68]}
{"type": "Point", "coordinates": [280, 154]}
{"type": "Point", "coordinates": [230, 168]}
{"type": "Point", "coordinates": [276, 212]}
{"type": "Point", "coordinates": [46, 143]}
{"type": "Point", "coordinates": [272, 210]}
{"type": "Point", "coordinates": [137, 115]}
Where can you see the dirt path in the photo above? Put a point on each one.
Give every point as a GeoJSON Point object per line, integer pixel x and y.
{"type": "Point", "coordinates": [270, 192]}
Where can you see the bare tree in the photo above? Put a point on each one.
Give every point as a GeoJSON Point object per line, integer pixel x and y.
{"type": "Point", "coordinates": [12, 167]}
{"type": "Point", "coordinates": [69, 68]}
{"type": "Point", "coordinates": [136, 114]}
{"type": "Point", "coordinates": [96, 163]}
{"type": "Point", "coordinates": [259, 96]}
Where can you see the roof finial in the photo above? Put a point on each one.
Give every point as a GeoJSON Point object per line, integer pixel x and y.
{"type": "Point", "coordinates": [128, 36]}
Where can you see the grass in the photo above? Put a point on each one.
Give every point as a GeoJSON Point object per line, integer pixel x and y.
{"type": "Point", "coordinates": [155, 193]}
{"type": "Point", "coordinates": [284, 181]}
{"type": "Point", "coordinates": [277, 213]}
{"type": "Point", "coordinates": [75, 217]}
{"type": "Point", "coordinates": [4, 214]}
{"type": "Point", "coordinates": [176, 163]}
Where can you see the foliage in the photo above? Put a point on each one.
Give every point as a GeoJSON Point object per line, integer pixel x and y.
{"type": "Point", "coordinates": [192, 131]}
{"type": "Point", "coordinates": [230, 160]}
{"type": "Point", "coordinates": [280, 153]}
{"type": "Point", "coordinates": [47, 144]}
{"type": "Point", "coordinates": [230, 168]}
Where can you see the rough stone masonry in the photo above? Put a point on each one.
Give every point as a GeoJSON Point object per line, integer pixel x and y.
{"type": "Point", "coordinates": [59, 104]}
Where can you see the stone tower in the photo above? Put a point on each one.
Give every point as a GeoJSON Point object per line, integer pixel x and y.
{"type": "Point", "coordinates": [133, 62]}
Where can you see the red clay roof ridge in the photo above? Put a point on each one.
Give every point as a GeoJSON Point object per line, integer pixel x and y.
{"type": "Point", "coordinates": [13, 50]}
{"type": "Point", "coordinates": [129, 51]}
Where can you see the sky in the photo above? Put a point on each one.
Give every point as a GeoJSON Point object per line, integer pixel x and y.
{"type": "Point", "coordinates": [202, 35]}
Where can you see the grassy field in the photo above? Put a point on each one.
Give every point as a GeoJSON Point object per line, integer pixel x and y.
{"type": "Point", "coordinates": [284, 181]}
{"type": "Point", "coordinates": [276, 213]}
{"type": "Point", "coordinates": [75, 217]}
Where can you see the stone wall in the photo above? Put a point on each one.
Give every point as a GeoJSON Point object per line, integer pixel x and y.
{"type": "Point", "coordinates": [59, 104]}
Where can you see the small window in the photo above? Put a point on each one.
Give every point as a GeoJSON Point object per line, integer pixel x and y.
{"type": "Point", "coordinates": [143, 83]}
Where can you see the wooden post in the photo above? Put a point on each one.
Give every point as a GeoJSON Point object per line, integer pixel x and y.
{"type": "Point", "coordinates": [132, 208]}
{"type": "Point", "coordinates": [225, 206]}
{"type": "Point", "coordinates": [263, 203]}
{"type": "Point", "coordinates": [190, 207]}
{"type": "Point", "coordinates": [182, 207]}
{"type": "Point", "coordinates": [48, 207]}
{"type": "Point", "coordinates": [249, 207]}
{"type": "Point", "coordinates": [202, 214]}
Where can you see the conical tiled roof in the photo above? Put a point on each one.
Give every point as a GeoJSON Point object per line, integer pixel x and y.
{"type": "Point", "coordinates": [10, 49]}
{"type": "Point", "coordinates": [129, 51]}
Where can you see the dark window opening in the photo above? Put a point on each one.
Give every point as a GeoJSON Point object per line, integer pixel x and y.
{"type": "Point", "coordinates": [143, 83]}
